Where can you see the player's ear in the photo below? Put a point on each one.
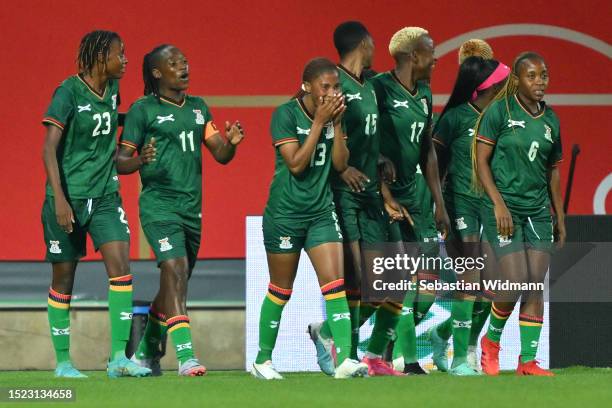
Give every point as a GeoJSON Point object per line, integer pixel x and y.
{"type": "Point", "coordinates": [156, 73]}
{"type": "Point", "coordinates": [306, 87]}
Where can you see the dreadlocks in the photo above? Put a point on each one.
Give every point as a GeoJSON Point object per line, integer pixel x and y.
{"type": "Point", "coordinates": [150, 62]}
{"type": "Point", "coordinates": [93, 44]}
{"type": "Point", "coordinates": [508, 91]}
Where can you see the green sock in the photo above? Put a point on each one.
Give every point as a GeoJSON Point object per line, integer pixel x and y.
{"type": "Point", "coordinates": [496, 323]}
{"type": "Point", "coordinates": [366, 311]}
{"type": "Point", "coordinates": [269, 320]}
{"type": "Point", "coordinates": [149, 345]}
{"type": "Point", "coordinates": [387, 316]}
{"type": "Point", "coordinates": [338, 318]}
{"type": "Point", "coordinates": [58, 311]}
{"type": "Point", "coordinates": [482, 308]}
{"type": "Point", "coordinates": [445, 329]}
{"type": "Point", "coordinates": [530, 327]}
{"type": "Point", "coordinates": [405, 345]}
{"type": "Point", "coordinates": [422, 306]}
{"type": "Point", "coordinates": [353, 298]}
{"type": "Point", "coordinates": [180, 332]}
{"type": "Point", "coordinates": [120, 311]}
{"type": "Point", "coordinates": [462, 323]}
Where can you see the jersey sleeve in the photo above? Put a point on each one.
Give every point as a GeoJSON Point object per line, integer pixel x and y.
{"type": "Point", "coordinates": [283, 127]}
{"type": "Point", "coordinates": [134, 129]}
{"type": "Point", "coordinates": [210, 129]}
{"type": "Point", "coordinates": [61, 108]}
{"type": "Point", "coordinates": [490, 125]}
{"type": "Point", "coordinates": [443, 131]}
{"type": "Point", "coordinates": [556, 155]}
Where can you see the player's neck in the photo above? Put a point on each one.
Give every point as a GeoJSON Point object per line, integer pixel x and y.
{"type": "Point", "coordinates": [353, 64]}
{"type": "Point", "coordinates": [175, 96]}
{"type": "Point", "coordinates": [403, 72]}
{"type": "Point", "coordinates": [96, 81]}
{"type": "Point", "coordinates": [533, 106]}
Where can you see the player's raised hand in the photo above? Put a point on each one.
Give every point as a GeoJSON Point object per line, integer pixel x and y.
{"type": "Point", "coordinates": [355, 179]}
{"type": "Point", "coordinates": [337, 116]}
{"type": "Point", "coordinates": [234, 132]}
{"type": "Point", "coordinates": [148, 153]}
{"type": "Point", "coordinates": [327, 108]}
{"type": "Point", "coordinates": [63, 214]}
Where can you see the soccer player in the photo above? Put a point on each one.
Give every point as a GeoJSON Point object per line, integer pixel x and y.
{"type": "Point", "coordinates": [359, 205]}
{"type": "Point", "coordinates": [404, 102]}
{"type": "Point", "coordinates": [308, 139]}
{"type": "Point", "coordinates": [167, 127]}
{"type": "Point", "coordinates": [82, 196]}
{"type": "Point", "coordinates": [518, 150]}
{"type": "Point", "coordinates": [478, 81]}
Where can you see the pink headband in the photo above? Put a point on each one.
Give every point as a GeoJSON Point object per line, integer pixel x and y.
{"type": "Point", "coordinates": [501, 72]}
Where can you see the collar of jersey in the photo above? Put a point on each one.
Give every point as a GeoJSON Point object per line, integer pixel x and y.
{"type": "Point", "coordinates": [396, 79]}
{"type": "Point", "coordinates": [304, 110]}
{"type": "Point", "coordinates": [526, 109]}
{"type": "Point", "coordinates": [93, 91]}
{"type": "Point", "coordinates": [474, 107]}
{"type": "Point", "coordinates": [359, 81]}
{"type": "Point", "coordinates": [171, 102]}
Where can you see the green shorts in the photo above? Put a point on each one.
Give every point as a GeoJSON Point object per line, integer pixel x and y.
{"type": "Point", "coordinates": [427, 233]}
{"type": "Point", "coordinates": [171, 240]}
{"type": "Point", "coordinates": [283, 235]}
{"type": "Point", "coordinates": [361, 218]}
{"type": "Point", "coordinates": [532, 230]}
{"type": "Point", "coordinates": [102, 218]}
{"type": "Point", "coordinates": [464, 213]}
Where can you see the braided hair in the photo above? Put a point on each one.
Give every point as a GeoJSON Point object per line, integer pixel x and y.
{"type": "Point", "coordinates": [93, 44]}
{"type": "Point", "coordinates": [150, 62]}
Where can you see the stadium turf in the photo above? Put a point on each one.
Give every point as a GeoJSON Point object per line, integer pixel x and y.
{"type": "Point", "coordinates": [571, 387]}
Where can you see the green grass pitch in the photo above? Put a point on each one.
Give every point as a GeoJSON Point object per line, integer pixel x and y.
{"type": "Point", "coordinates": [572, 387]}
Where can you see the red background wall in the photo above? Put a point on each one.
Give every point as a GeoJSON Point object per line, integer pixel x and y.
{"type": "Point", "coordinates": [260, 48]}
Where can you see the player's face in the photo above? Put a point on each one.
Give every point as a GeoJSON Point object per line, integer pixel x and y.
{"type": "Point", "coordinates": [368, 52]}
{"type": "Point", "coordinates": [116, 61]}
{"type": "Point", "coordinates": [325, 86]}
{"type": "Point", "coordinates": [173, 70]}
{"type": "Point", "coordinates": [425, 60]}
{"type": "Point", "coordinates": [532, 79]}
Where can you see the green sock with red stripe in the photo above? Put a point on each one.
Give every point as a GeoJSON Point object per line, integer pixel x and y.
{"type": "Point", "coordinates": [269, 320]}
{"type": "Point", "coordinates": [530, 327]}
{"type": "Point", "coordinates": [338, 318]}
{"type": "Point", "coordinates": [179, 329]}
{"type": "Point", "coordinates": [120, 311]}
{"type": "Point", "coordinates": [58, 312]}
{"type": "Point", "coordinates": [497, 323]}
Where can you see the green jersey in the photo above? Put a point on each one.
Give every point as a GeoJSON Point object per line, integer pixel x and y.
{"type": "Point", "coordinates": [307, 195]}
{"type": "Point", "coordinates": [359, 121]}
{"type": "Point", "coordinates": [85, 153]}
{"type": "Point", "coordinates": [172, 184]}
{"type": "Point", "coordinates": [405, 117]}
{"type": "Point", "coordinates": [455, 132]}
{"type": "Point", "coordinates": [526, 146]}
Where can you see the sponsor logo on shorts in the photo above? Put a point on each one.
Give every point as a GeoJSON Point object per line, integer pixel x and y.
{"type": "Point", "coordinates": [285, 243]}
{"type": "Point", "coordinates": [125, 316]}
{"type": "Point", "coordinates": [60, 332]}
{"type": "Point", "coordinates": [164, 245]}
{"type": "Point", "coordinates": [460, 223]}
{"type": "Point", "coordinates": [199, 119]}
{"type": "Point", "coordinates": [184, 346]}
{"type": "Point", "coordinates": [462, 324]}
{"type": "Point", "coordinates": [162, 119]}
{"type": "Point", "coordinates": [341, 316]}
{"type": "Point", "coordinates": [54, 247]}
{"type": "Point", "coordinates": [274, 324]}
{"type": "Point", "coordinates": [504, 240]}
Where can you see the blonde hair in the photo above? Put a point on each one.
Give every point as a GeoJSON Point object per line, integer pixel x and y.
{"type": "Point", "coordinates": [509, 89]}
{"type": "Point", "coordinates": [475, 48]}
{"type": "Point", "coordinates": [405, 40]}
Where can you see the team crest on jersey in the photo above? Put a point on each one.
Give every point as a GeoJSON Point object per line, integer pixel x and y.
{"type": "Point", "coordinates": [114, 98]}
{"type": "Point", "coordinates": [548, 133]}
{"type": "Point", "coordinates": [199, 117]}
{"type": "Point", "coordinates": [425, 106]}
{"type": "Point", "coordinates": [162, 119]}
{"type": "Point", "coordinates": [352, 97]}
{"type": "Point", "coordinates": [285, 243]}
{"type": "Point", "coordinates": [54, 247]}
{"type": "Point", "coordinates": [504, 240]}
{"type": "Point", "coordinates": [164, 245]}
{"type": "Point", "coordinates": [84, 108]}
{"type": "Point", "coordinates": [301, 131]}
{"type": "Point", "coordinates": [400, 104]}
{"type": "Point", "coordinates": [460, 223]}
{"type": "Point", "coordinates": [516, 123]}
{"type": "Point", "coordinates": [329, 131]}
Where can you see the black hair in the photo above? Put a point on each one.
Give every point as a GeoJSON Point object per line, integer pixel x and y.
{"type": "Point", "coordinates": [348, 36]}
{"type": "Point", "coordinates": [149, 62]}
{"type": "Point", "coordinates": [92, 44]}
{"type": "Point", "coordinates": [522, 57]}
{"type": "Point", "coordinates": [472, 72]}
{"type": "Point", "coordinates": [313, 69]}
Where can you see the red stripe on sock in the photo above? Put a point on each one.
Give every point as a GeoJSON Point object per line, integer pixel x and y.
{"type": "Point", "coordinates": [179, 318]}
{"type": "Point", "coordinates": [59, 295]}
{"type": "Point", "coordinates": [280, 290]}
{"type": "Point", "coordinates": [501, 312]}
{"type": "Point", "coordinates": [125, 278]}
{"type": "Point", "coordinates": [332, 285]}
{"type": "Point", "coordinates": [536, 319]}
